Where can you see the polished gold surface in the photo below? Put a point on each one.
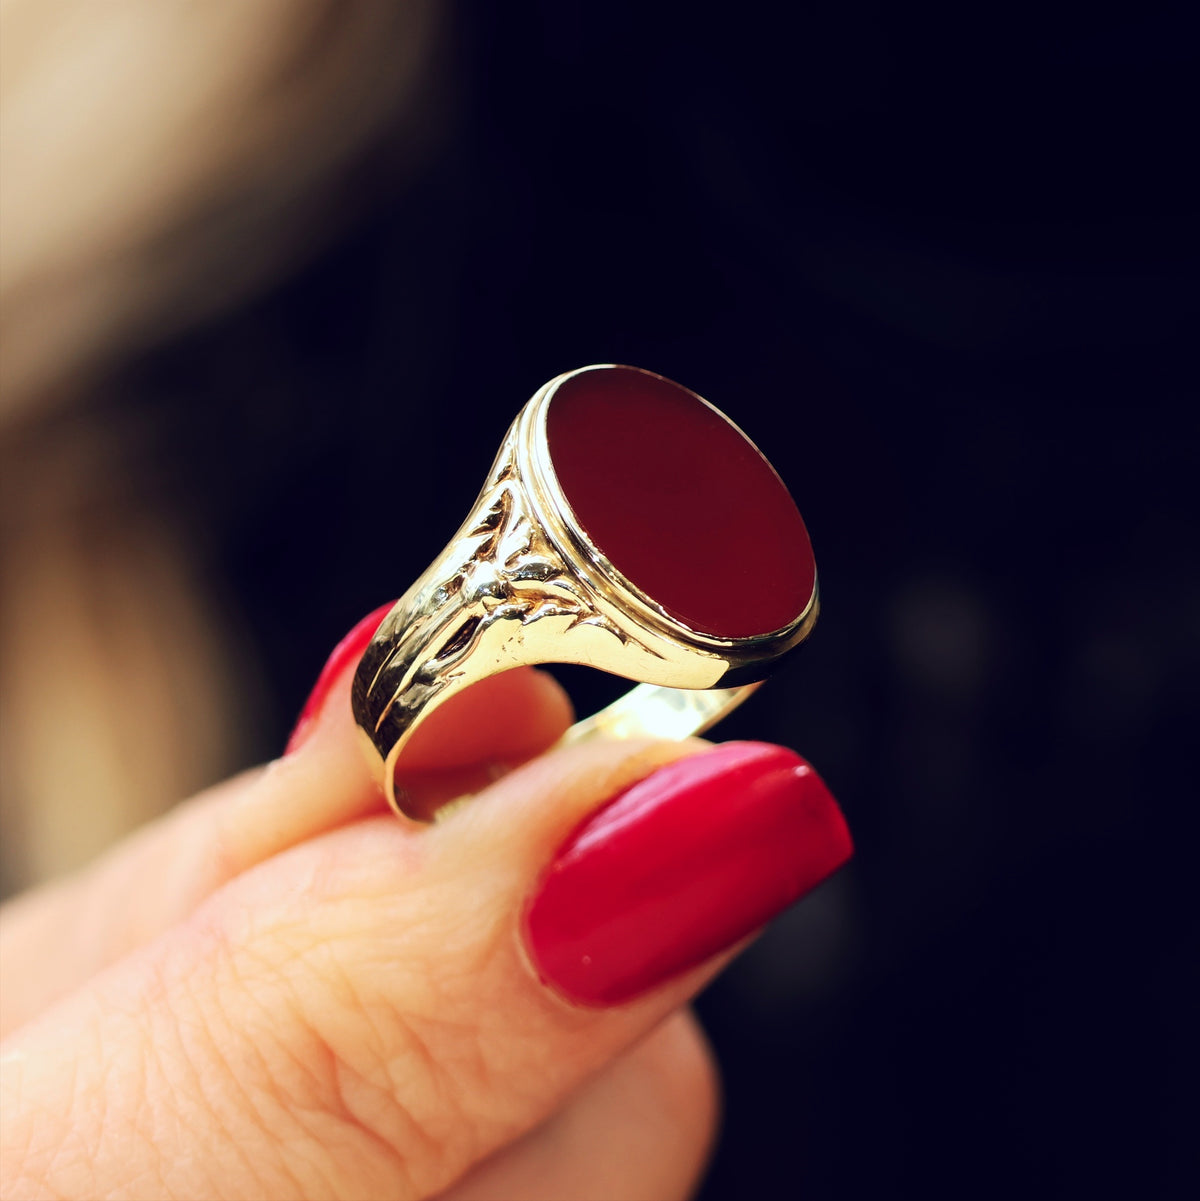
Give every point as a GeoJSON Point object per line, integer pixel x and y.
{"type": "Point", "coordinates": [521, 583]}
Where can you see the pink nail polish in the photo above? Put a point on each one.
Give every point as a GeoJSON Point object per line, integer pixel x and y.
{"type": "Point", "coordinates": [345, 655]}
{"type": "Point", "coordinates": [680, 866]}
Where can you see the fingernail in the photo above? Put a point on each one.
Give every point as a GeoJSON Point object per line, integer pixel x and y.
{"type": "Point", "coordinates": [680, 866]}
{"type": "Point", "coordinates": [346, 653]}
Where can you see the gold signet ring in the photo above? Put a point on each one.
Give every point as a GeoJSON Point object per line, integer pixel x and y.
{"type": "Point", "coordinates": [626, 525]}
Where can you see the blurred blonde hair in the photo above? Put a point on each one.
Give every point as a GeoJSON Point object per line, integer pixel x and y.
{"type": "Point", "coordinates": [159, 160]}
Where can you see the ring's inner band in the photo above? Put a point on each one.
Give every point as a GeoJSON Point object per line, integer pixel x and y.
{"type": "Point", "coordinates": [652, 711]}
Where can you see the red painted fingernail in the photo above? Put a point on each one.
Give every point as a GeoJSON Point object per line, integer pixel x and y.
{"type": "Point", "coordinates": [346, 653]}
{"type": "Point", "coordinates": [680, 866]}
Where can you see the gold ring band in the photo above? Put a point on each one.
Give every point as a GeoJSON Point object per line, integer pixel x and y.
{"type": "Point", "coordinates": [522, 583]}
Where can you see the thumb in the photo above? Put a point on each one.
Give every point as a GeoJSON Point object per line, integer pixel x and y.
{"type": "Point", "coordinates": [376, 1010]}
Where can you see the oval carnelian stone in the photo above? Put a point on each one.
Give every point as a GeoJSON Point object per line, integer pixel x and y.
{"type": "Point", "coordinates": [680, 501]}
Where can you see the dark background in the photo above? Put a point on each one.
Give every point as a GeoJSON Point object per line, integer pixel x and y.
{"type": "Point", "coordinates": [942, 268]}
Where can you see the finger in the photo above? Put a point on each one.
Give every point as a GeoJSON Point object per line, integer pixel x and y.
{"type": "Point", "coordinates": [642, 1128]}
{"type": "Point", "coordinates": [373, 1012]}
{"type": "Point", "coordinates": [160, 874]}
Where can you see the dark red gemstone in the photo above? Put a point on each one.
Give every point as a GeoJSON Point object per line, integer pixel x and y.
{"type": "Point", "coordinates": [680, 501]}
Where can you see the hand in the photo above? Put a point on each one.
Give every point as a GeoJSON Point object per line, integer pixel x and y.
{"type": "Point", "coordinates": [279, 991]}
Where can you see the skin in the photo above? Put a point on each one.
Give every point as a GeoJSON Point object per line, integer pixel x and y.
{"type": "Point", "coordinates": [280, 990]}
